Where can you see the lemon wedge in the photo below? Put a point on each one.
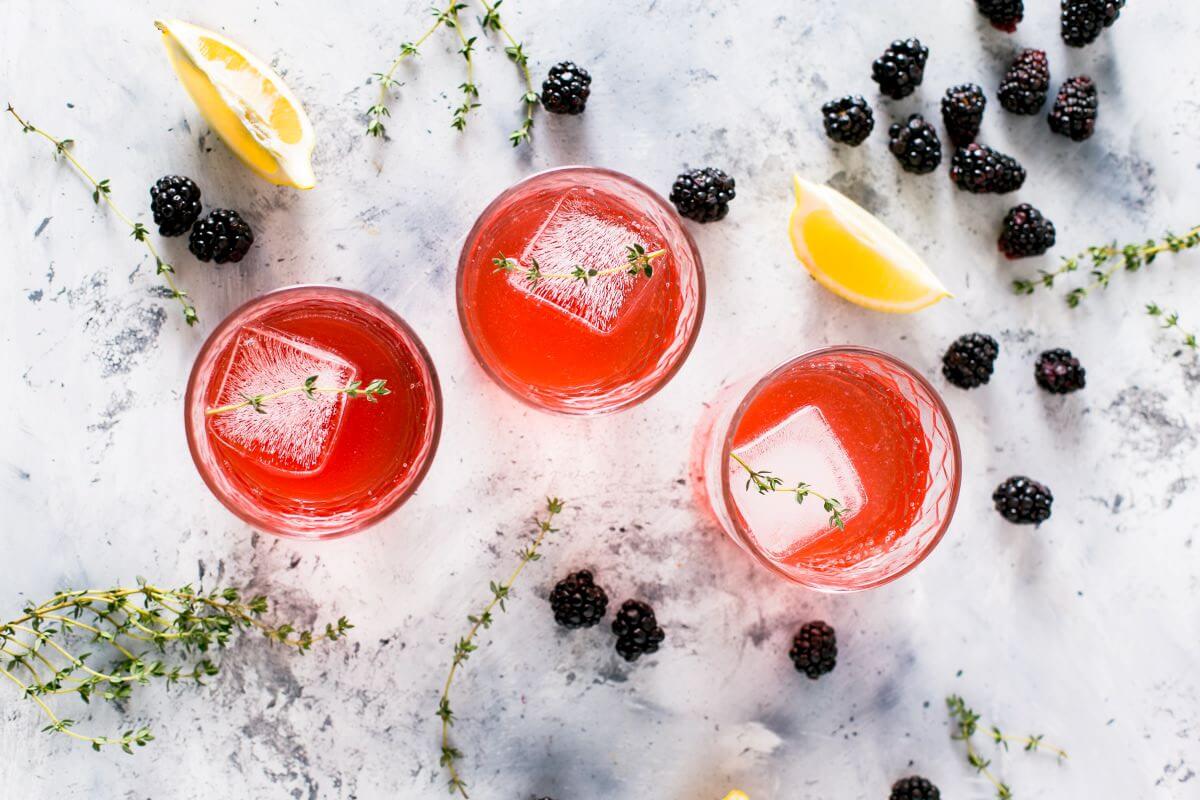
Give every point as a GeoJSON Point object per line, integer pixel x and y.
{"type": "Point", "coordinates": [245, 101]}
{"type": "Point", "coordinates": [857, 257]}
{"type": "Point", "coordinates": [736, 795]}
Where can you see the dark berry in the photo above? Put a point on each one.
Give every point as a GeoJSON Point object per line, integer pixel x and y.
{"type": "Point", "coordinates": [901, 68]}
{"type": "Point", "coordinates": [915, 145]}
{"type": "Point", "coordinates": [979, 169]}
{"type": "Point", "coordinates": [637, 630]}
{"type": "Point", "coordinates": [566, 89]}
{"type": "Point", "coordinates": [1027, 83]}
{"type": "Point", "coordinates": [175, 203]}
{"type": "Point", "coordinates": [703, 194]}
{"type": "Point", "coordinates": [914, 787]}
{"type": "Point", "coordinates": [1084, 20]}
{"type": "Point", "coordinates": [848, 120]}
{"type": "Point", "coordinates": [1003, 14]}
{"type": "Point", "coordinates": [814, 649]}
{"type": "Point", "coordinates": [1023, 501]}
{"type": "Point", "coordinates": [221, 236]}
{"type": "Point", "coordinates": [577, 602]}
{"type": "Point", "coordinates": [1059, 372]}
{"type": "Point", "coordinates": [968, 362]}
{"type": "Point", "coordinates": [962, 112]}
{"type": "Point", "coordinates": [1074, 112]}
{"type": "Point", "coordinates": [1026, 232]}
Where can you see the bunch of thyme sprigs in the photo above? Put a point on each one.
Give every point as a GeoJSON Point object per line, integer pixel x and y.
{"type": "Point", "coordinates": [448, 17]}
{"type": "Point", "coordinates": [127, 631]}
{"type": "Point", "coordinates": [501, 592]}
{"type": "Point", "coordinates": [637, 262]}
{"type": "Point", "coordinates": [966, 725]}
{"type": "Point", "coordinates": [372, 392]}
{"type": "Point", "coordinates": [766, 483]}
{"type": "Point", "coordinates": [102, 190]}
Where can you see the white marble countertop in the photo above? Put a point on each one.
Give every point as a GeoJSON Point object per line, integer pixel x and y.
{"type": "Point", "coordinates": [1086, 630]}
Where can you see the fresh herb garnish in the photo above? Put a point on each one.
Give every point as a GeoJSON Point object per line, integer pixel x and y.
{"type": "Point", "coordinates": [966, 724]}
{"type": "Point", "coordinates": [637, 262]}
{"type": "Point", "coordinates": [372, 391]}
{"type": "Point", "coordinates": [102, 190]}
{"type": "Point", "coordinates": [766, 483]}
{"type": "Point", "coordinates": [127, 631]}
{"type": "Point", "coordinates": [1170, 319]}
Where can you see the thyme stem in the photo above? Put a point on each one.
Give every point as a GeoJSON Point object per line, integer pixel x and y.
{"type": "Point", "coordinates": [1171, 320]}
{"type": "Point", "coordinates": [373, 390]}
{"type": "Point", "coordinates": [765, 483]}
{"type": "Point", "coordinates": [966, 724]}
{"type": "Point", "coordinates": [637, 262]}
{"type": "Point", "coordinates": [387, 80]}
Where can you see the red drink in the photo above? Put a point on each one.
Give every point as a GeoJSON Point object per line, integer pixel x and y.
{"type": "Point", "coordinates": [857, 426]}
{"type": "Point", "coordinates": [316, 463]}
{"type": "Point", "coordinates": [559, 342]}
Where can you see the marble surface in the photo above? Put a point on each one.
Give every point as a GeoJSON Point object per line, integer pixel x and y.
{"type": "Point", "coordinates": [1086, 629]}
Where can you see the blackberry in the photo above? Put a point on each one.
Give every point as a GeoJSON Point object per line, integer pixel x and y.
{"type": "Point", "coordinates": [915, 145]}
{"type": "Point", "coordinates": [979, 169]}
{"type": "Point", "coordinates": [1027, 83]}
{"type": "Point", "coordinates": [566, 89]}
{"type": "Point", "coordinates": [577, 602]}
{"type": "Point", "coordinates": [901, 68]}
{"type": "Point", "coordinates": [1084, 20]}
{"type": "Point", "coordinates": [175, 203]}
{"type": "Point", "coordinates": [703, 194]}
{"type": "Point", "coordinates": [1023, 501]}
{"type": "Point", "coordinates": [848, 120]}
{"type": "Point", "coordinates": [1003, 14]}
{"type": "Point", "coordinates": [962, 112]}
{"type": "Point", "coordinates": [814, 649]}
{"type": "Point", "coordinates": [221, 236]}
{"type": "Point", "coordinates": [914, 787]}
{"type": "Point", "coordinates": [1059, 372]}
{"type": "Point", "coordinates": [968, 361]}
{"type": "Point", "coordinates": [1026, 232]}
{"type": "Point", "coordinates": [1074, 112]}
{"type": "Point", "coordinates": [637, 630]}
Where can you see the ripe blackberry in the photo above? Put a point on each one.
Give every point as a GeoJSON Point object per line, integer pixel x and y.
{"type": "Point", "coordinates": [703, 194]}
{"type": "Point", "coordinates": [1003, 14]}
{"type": "Point", "coordinates": [1023, 501]}
{"type": "Point", "coordinates": [1059, 372]}
{"type": "Point", "coordinates": [901, 68]}
{"type": "Point", "coordinates": [968, 361]}
{"type": "Point", "coordinates": [175, 203]}
{"type": "Point", "coordinates": [1026, 232]}
{"type": "Point", "coordinates": [221, 236]}
{"type": "Point", "coordinates": [915, 145]}
{"type": "Point", "coordinates": [637, 630]}
{"type": "Point", "coordinates": [962, 112]}
{"type": "Point", "coordinates": [566, 89]}
{"type": "Point", "coordinates": [848, 120]}
{"type": "Point", "coordinates": [577, 602]}
{"type": "Point", "coordinates": [979, 169]}
{"type": "Point", "coordinates": [1074, 112]}
{"type": "Point", "coordinates": [814, 649]}
{"type": "Point", "coordinates": [1027, 83]}
{"type": "Point", "coordinates": [1084, 20]}
{"type": "Point", "coordinates": [914, 787]}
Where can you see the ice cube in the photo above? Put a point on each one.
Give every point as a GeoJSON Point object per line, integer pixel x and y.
{"type": "Point", "coordinates": [578, 232]}
{"type": "Point", "coordinates": [296, 433]}
{"type": "Point", "coordinates": [801, 448]}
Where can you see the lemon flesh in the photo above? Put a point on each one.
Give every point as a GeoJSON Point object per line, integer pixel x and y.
{"type": "Point", "coordinates": [736, 795]}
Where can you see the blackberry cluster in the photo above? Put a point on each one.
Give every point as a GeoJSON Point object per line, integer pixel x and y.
{"type": "Point", "coordinates": [1084, 20]}
{"type": "Point", "coordinates": [1003, 14]}
{"type": "Point", "coordinates": [901, 68]}
{"type": "Point", "coordinates": [1027, 83]}
{"type": "Point", "coordinates": [703, 194]}
{"type": "Point", "coordinates": [962, 112]}
{"type": "Point", "coordinates": [637, 630]}
{"type": "Point", "coordinates": [566, 89]}
{"type": "Point", "coordinates": [577, 601]}
{"type": "Point", "coordinates": [1059, 372]}
{"type": "Point", "coordinates": [848, 120]}
{"type": "Point", "coordinates": [1074, 112]}
{"type": "Point", "coordinates": [915, 145]}
{"type": "Point", "coordinates": [1026, 232]}
{"type": "Point", "coordinates": [1023, 501]}
{"type": "Point", "coordinates": [221, 236]}
{"type": "Point", "coordinates": [979, 169]}
{"type": "Point", "coordinates": [814, 649]}
{"type": "Point", "coordinates": [969, 360]}
{"type": "Point", "coordinates": [914, 787]}
{"type": "Point", "coordinates": [175, 203]}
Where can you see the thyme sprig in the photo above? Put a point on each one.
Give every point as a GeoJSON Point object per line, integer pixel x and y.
{"type": "Point", "coordinates": [1106, 261]}
{"type": "Point", "coordinates": [372, 392]}
{"type": "Point", "coordinates": [966, 725]}
{"type": "Point", "coordinates": [128, 632]}
{"type": "Point", "coordinates": [766, 483]}
{"type": "Point", "coordinates": [637, 262]}
{"type": "Point", "coordinates": [1170, 319]}
{"type": "Point", "coordinates": [102, 190]}
{"type": "Point", "coordinates": [501, 593]}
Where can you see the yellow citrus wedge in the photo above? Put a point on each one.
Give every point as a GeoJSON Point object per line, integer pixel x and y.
{"type": "Point", "coordinates": [736, 795]}
{"type": "Point", "coordinates": [857, 257]}
{"type": "Point", "coordinates": [245, 101]}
